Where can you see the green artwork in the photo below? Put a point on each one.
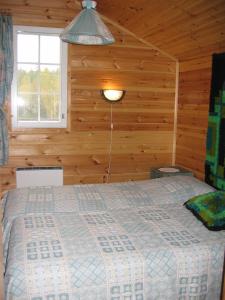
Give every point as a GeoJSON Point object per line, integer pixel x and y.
{"type": "Point", "coordinates": [215, 156]}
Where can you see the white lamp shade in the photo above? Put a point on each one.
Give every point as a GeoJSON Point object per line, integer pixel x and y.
{"type": "Point", "coordinates": [87, 28]}
{"type": "Point", "coordinates": [113, 95]}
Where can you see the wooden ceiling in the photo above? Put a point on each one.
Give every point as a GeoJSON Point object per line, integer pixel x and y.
{"type": "Point", "coordinates": [182, 28]}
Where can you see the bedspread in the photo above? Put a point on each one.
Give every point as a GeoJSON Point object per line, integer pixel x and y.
{"type": "Point", "coordinates": [156, 252]}
{"type": "Point", "coordinates": [97, 197]}
{"type": "Point", "coordinates": [100, 197]}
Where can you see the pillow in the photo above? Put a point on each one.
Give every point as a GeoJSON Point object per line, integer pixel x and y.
{"type": "Point", "coordinates": [209, 208]}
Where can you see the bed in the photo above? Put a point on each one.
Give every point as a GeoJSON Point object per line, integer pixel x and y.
{"type": "Point", "coordinates": [131, 240]}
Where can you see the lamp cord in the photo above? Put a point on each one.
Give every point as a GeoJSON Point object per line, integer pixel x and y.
{"type": "Point", "coordinates": [110, 144]}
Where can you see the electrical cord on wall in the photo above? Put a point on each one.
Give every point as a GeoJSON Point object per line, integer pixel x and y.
{"type": "Point", "coordinates": [110, 144]}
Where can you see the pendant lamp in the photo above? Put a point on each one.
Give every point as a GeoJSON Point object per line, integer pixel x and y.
{"type": "Point", "coordinates": [87, 28]}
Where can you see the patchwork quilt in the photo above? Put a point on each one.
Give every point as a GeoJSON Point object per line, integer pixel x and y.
{"type": "Point", "coordinates": [117, 241]}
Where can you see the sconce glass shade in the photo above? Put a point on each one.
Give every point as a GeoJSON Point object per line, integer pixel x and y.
{"type": "Point", "coordinates": [87, 28]}
{"type": "Point", "coordinates": [113, 95]}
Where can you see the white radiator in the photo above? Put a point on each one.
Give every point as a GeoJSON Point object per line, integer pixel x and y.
{"type": "Point", "coordinates": [39, 176]}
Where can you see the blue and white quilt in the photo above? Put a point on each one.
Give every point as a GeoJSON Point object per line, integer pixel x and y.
{"type": "Point", "coordinates": [115, 241]}
{"type": "Point", "coordinates": [100, 197]}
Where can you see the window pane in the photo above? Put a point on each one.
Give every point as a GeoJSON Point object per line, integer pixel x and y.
{"type": "Point", "coordinates": [27, 107]}
{"type": "Point", "coordinates": [27, 48]}
{"type": "Point", "coordinates": [27, 78]}
{"type": "Point", "coordinates": [49, 108]}
{"type": "Point", "coordinates": [50, 79]}
{"type": "Point", "coordinates": [49, 49]}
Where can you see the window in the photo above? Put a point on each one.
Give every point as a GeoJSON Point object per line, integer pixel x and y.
{"type": "Point", "coordinates": [39, 90]}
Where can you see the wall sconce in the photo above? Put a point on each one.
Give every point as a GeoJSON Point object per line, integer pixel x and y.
{"type": "Point", "coordinates": [113, 95]}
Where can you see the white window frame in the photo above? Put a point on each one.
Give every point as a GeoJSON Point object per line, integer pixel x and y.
{"type": "Point", "coordinates": [62, 123]}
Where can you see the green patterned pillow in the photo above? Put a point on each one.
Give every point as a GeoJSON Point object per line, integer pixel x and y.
{"type": "Point", "coordinates": [209, 208]}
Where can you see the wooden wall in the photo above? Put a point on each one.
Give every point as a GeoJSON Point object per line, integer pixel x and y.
{"type": "Point", "coordinates": [190, 31]}
{"type": "Point", "coordinates": [194, 92]}
{"type": "Point", "coordinates": [193, 108]}
{"type": "Point", "coordinates": [142, 123]}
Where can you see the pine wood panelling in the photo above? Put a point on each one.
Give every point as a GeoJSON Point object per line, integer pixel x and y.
{"type": "Point", "coordinates": [142, 122]}
{"type": "Point", "coordinates": [194, 90]}
{"type": "Point", "coordinates": [151, 36]}
{"type": "Point", "coordinates": [194, 97]}
{"type": "Point", "coordinates": [189, 30]}
{"type": "Point", "coordinates": [184, 29]}
{"type": "Point", "coordinates": [146, 80]}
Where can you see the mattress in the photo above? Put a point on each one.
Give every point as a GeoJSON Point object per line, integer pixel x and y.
{"type": "Point", "coordinates": [117, 241]}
